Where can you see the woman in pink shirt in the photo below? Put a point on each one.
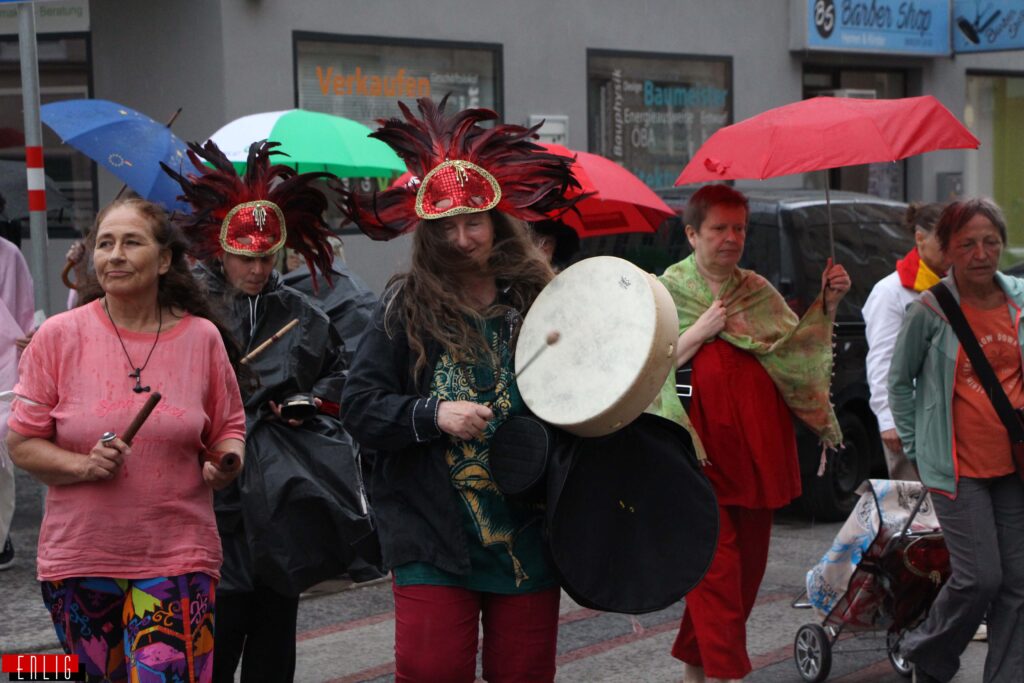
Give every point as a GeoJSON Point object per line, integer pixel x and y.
{"type": "Point", "coordinates": [129, 553]}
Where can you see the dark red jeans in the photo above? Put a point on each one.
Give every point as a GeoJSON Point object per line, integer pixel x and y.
{"type": "Point", "coordinates": [713, 633]}
{"type": "Point", "coordinates": [436, 630]}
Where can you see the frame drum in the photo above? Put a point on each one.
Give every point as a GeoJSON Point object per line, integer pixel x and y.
{"type": "Point", "coordinates": [617, 330]}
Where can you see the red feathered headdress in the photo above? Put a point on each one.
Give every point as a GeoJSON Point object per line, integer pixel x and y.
{"type": "Point", "coordinates": [256, 214]}
{"type": "Point", "coordinates": [460, 167]}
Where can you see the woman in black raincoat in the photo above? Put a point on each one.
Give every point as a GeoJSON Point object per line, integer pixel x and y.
{"type": "Point", "coordinates": [288, 521]}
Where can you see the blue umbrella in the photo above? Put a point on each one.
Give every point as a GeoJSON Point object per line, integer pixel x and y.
{"type": "Point", "coordinates": [128, 144]}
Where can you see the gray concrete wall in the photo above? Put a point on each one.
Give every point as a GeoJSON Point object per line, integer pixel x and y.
{"type": "Point", "coordinates": [156, 57]}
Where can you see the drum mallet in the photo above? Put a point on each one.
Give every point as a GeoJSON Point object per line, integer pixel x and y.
{"type": "Point", "coordinates": [136, 423]}
{"type": "Point", "coordinates": [249, 357]}
{"type": "Point", "coordinates": [225, 461]}
{"type": "Point", "coordinates": [550, 340]}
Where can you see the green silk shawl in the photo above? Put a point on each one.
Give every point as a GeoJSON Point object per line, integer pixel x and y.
{"type": "Point", "coordinates": [796, 353]}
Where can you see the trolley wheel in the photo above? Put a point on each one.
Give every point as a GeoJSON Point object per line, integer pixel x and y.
{"type": "Point", "coordinates": [812, 650]}
{"type": "Point", "coordinates": [902, 665]}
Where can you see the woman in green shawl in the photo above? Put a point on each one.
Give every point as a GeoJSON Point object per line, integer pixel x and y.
{"type": "Point", "coordinates": [755, 364]}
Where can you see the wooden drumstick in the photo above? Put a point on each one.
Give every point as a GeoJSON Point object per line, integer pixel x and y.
{"type": "Point", "coordinates": [550, 340]}
{"type": "Point", "coordinates": [249, 357]}
{"type": "Point", "coordinates": [141, 417]}
{"type": "Point", "coordinates": [225, 461]}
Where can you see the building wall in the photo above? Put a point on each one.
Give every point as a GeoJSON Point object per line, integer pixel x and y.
{"type": "Point", "coordinates": [221, 60]}
{"type": "Point", "coordinates": [156, 57]}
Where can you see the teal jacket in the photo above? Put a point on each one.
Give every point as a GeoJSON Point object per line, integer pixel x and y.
{"type": "Point", "coordinates": [921, 383]}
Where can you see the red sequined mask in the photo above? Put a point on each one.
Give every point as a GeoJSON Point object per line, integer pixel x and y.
{"type": "Point", "coordinates": [456, 186]}
{"type": "Point", "coordinates": [253, 229]}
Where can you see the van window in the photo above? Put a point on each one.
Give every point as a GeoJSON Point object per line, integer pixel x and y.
{"type": "Point", "coordinates": [652, 251]}
{"type": "Point", "coordinates": [867, 237]}
{"type": "Point", "coordinates": [761, 249]}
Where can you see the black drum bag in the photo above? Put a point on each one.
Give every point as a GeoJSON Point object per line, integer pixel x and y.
{"type": "Point", "coordinates": [520, 450]}
{"type": "Point", "coordinates": [632, 521]}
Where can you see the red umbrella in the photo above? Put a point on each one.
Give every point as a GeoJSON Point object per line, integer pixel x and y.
{"type": "Point", "coordinates": [619, 202]}
{"type": "Point", "coordinates": [823, 133]}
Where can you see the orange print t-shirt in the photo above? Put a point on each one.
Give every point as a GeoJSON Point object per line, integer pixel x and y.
{"type": "Point", "coordinates": [982, 443]}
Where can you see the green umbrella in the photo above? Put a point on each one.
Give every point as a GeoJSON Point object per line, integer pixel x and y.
{"type": "Point", "coordinates": [313, 142]}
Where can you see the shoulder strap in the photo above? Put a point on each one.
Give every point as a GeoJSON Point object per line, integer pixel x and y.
{"type": "Point", "coordinates": [982, 368]}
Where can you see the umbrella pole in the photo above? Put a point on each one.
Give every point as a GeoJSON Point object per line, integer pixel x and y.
{"type": "Point", "coordinates": [828, 210]}
{"type": "Point", "coordinates": [831, 237]}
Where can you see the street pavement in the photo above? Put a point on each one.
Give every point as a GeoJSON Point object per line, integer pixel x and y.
{"type": "Point", "coordinates": [346, 632]}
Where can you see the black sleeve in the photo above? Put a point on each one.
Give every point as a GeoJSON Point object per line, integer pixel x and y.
{"type": "Point", "coordinates": [334, 371]}
{"type": "Point", "coordinates": [380, 406]}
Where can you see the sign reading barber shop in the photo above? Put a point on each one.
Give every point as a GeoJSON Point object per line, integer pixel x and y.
{"type": "Point", "coordinates": [919, 27]}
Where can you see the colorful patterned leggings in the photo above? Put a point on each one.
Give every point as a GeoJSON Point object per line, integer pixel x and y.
{"type": "Point", "coordinates": [133, 629]}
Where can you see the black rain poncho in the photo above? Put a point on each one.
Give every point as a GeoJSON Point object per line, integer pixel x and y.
{"type": "Point", "coordinates": [291, 518]}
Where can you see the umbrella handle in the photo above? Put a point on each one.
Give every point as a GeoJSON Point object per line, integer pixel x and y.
{"type": "Point", "coordinates": [174, 116]}
{"type": "Point", "coordinates": [66, 273]}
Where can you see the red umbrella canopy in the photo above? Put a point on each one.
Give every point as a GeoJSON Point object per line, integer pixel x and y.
{"type": "Point", "coordinates": [826, 132]}
{"type": "Point", "coordinates": [619, 202]}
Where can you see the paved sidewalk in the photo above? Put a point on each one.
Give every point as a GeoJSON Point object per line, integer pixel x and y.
{"type": "Point", "coordinates": [346, 633]}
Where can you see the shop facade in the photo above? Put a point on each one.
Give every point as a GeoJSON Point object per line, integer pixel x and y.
{"type": "Point", "coordinates": [642, 83]}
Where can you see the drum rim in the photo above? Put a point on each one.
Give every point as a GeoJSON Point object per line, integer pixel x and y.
{"type": "Point", "coordinates": [618, 409]}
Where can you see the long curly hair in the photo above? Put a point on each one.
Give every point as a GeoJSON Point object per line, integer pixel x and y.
{"type": "Point", "coordinates": [429, 302]}
{"type": "Point", "coordinates": [177, 288]}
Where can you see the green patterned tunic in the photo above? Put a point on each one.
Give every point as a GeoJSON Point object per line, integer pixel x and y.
{"type": "Point", "coordinates": [505, 537]}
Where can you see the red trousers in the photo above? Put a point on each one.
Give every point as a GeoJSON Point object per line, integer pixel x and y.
{"type": "Point", "coordinates": [713, 633]}
{"type": "Point", "coordinates": [436, 629]}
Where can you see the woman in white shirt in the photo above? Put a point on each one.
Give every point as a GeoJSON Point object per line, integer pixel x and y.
{"type": "Point", "coordinates": [883, 314]}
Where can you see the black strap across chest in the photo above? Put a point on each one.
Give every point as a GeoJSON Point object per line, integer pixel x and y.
{"type": "Point", "coordinates": [982, 368]}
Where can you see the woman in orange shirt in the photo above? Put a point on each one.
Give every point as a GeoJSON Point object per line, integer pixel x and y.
{"type": "Point", "coordinates": [951, 431]}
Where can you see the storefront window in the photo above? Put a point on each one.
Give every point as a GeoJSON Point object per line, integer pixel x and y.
{"type": "Point", "coordinates": [651, 113]}
{"type": "Point", "coordinates": [886, 180]}
{"type": "Point", "coordinates": [362, 79]}
{"type": "Point", "coordinates": [63, 74]}
{"type": "Point", "coordinates": [995, 108]}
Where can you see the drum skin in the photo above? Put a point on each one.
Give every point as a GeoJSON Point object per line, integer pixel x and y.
{"type": "Point", "coordinates": [617, 328]}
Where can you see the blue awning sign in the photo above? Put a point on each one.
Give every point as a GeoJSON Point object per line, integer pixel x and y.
{"type": "Point", "coordinates": [917, 27]}
{"type": "Point", "coordinates": [988, 26]}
